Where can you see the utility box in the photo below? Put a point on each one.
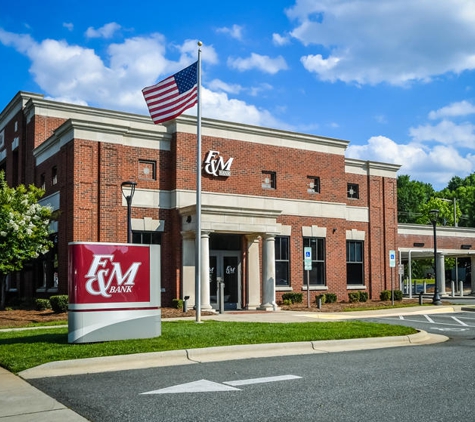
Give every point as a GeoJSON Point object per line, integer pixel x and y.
{"type": "Point", "coordinates": [114, 292]}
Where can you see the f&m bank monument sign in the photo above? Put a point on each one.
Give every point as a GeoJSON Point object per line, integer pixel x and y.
{"type": "Point", "coordinates": [114, 292]}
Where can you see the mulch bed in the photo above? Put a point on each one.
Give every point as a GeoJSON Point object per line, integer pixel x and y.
{"type": "Point", "coordinates": [22, 317]}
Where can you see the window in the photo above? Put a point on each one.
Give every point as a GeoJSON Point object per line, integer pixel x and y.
{"type": "Point", "coordinates": [353, 191]}
{"type": "Point", "coordinates": [282, 261]}
{"type": "Point", "coordinates": [54, 175]}
{"type": "Point", "coordinates": [354, 262]}
{"type": "Point", "coordinates": [43, 181]}
{"type": "Point", "coordinates": [269, 180]}
{"type": "Point", "coordinates": [147, 170]}
{"type": "Point", "coordinates": [147, 238]}
{"type": "Point", "coordinates": [313, 184]}
{"type": "Point", "coordinates": [317, 273]}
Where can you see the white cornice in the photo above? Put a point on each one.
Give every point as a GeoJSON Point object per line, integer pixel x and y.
{"type": "Point", "coordinates": [15, 105]}
{"type": "Point", "coordinates": [257, 134]}
{"type": "Point", "coordinates": [371, 168]}
{"type": "Point", "coordinates": [118, 133]}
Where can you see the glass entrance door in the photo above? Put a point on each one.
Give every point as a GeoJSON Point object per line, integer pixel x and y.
{"type": "Point", "coordinates": [225, 265]}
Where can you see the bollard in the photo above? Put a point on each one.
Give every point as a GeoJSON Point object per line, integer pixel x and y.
{"type": "Point", "coordinates": [185, 303]}
{"type": "Point", "coordinates": [319, 303]}
{"type": "Point", "coordinates": [220, 295]}
{"type": "Point", "coordinates": [425, 287]}
{"type": "Point", "coordinates": [420, 298]}
{"type": "Point", "coordinates": [452, 285]}
{"type": "Point", "coordinates": [461, 288]}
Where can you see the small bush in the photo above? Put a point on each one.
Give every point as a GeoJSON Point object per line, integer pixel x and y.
{"type": "Point", "coordinates": [42, 304]}
{"type": "Point", "coordinates": [177, 303]}
{"type": "Point", "coordinates": [354, 297]}
{"type": "Point", "coordinates": [293, 297]}
{"type": "Point", "coordinates": [363, 296]}
{"type": "Point", "coordinates": [398, 295]}
{"type": "Point", "coordinates": [323, 298]}
{"type": "Point", "coordinates": [287, 302]}
{"type": "Point", "coordinates": [330, 297]}
{"type": "Point", "coordinates": [59, 303]}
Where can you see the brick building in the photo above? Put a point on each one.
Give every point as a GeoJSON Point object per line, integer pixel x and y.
{"type": "Point", "coordinates": [266, 194]}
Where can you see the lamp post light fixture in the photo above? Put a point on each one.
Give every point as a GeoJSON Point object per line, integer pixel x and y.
{"type": "Point", "coordinates": [434, 215]}
{"type": "Point", "coordinates": [128, 190]}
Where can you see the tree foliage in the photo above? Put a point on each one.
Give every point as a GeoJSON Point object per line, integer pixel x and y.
{"type": "Point", "coordinates": [416, 199]}
{"type": "Point", "coordinates": [412, 197]}
{"type": "Point", "coordinates": [23, 228]}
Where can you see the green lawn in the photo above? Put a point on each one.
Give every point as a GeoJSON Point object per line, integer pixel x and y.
{"type": "Point", "coordinates": [20, 350]}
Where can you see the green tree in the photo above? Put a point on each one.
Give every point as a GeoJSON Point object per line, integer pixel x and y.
{"type": "Point", "coordinates": [446, 211]}
{"type": "Point", "coordinates": [412, 196]}
{"type": "Point", "coordinates": [23, 229]}
{"type": "Point", "coordinates": [464, 191]}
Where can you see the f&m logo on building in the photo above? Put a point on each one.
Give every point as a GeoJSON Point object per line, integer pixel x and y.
{"type": "Point", "coordinates": [215, 165]}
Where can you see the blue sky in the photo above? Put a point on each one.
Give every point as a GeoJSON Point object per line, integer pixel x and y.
{"type": "Point", "coordinates": [395, 78]}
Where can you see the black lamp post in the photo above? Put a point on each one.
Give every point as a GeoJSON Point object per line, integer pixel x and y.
{"type": "Point", "coordinates": [128, 190]}
{"type": "Point", "coordinates": [434, 215]}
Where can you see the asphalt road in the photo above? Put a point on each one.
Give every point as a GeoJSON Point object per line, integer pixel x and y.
{"type": "Point", "coordinates": [423, 383]}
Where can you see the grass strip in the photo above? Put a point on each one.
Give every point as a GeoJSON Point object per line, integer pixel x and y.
{"type": "Point", "coordinates": [20, 350]}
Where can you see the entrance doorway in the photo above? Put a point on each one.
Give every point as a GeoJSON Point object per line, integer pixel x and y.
{"type": "Point", "coordinates": [226, 266]}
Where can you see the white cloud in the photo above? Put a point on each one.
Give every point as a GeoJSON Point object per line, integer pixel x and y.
{"type": "Point", "coordinates": [106, 31]}
{"type": "Point", "coordinates": [265, 64]}
{"type": "Point", "coordinates": [461, 108]}
{"type": "Point", "coordinates": [235, 31]}
{"type": "Point", "coordinates": [446, 132]}
{"type": "Point", "coordinates": [68, 25]}
{"type": "Point", "coordinates": [279, 40]}
{"type": "Point", "coordinates": [436, 166]}
{"type": "Point", "coordinates": [189, 52]}
{"type": "Point", "coordinates": [79, 75]}
{"type": "Point", "coordinates": [219, 85]}
{"type": "Point", "coordinates": [218, 105]}
{"type": "Point", "coordinates": [369, 42]}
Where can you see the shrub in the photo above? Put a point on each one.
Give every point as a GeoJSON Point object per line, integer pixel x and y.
{"type": "Point", "coordinates": [323, 297]}
{"type": "Point", "coordinates": [287, 302]}
{"type": "Point", "coordinates": [42, 304]}
{"type": "Point", "coordinates": [386, 295]}
{"type": "Point", "coordinates": [330, 297]}
{"type": "Point", "coordinates": [363, 296]}
{"type": "Point", "coordinates": [354, 297]}
{"type": "Point", "coordinates": [398, 295]}
{"type": "Point", "coordinates": [177, 303]}
{"type": "Point", "coordinates": [59, 303]}
{"type": "Point", "coordinates": [293, 297]}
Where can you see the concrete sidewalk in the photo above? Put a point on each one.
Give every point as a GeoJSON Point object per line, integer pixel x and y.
{"type": "Point", "coordinates": [19, 401]}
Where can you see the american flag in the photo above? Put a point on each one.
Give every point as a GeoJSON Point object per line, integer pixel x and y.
{"type": "Point", "coordinates": [172, 96]}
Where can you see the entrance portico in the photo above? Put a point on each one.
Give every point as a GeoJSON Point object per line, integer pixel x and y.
{"type": "Point", "coordinates": [231, 237]}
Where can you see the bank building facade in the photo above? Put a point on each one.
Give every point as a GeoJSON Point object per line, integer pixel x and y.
{"type": "Point", "coordinates": [267, 194]}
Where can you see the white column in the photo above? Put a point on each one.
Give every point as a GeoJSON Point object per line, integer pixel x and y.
{"type": "Point", "coordinates": [205, 300]}
{"type": "Point", "coordinates": [188, 267]}
{"type": "Point", "coordinates": [441, 272]}
{"type": "Point", "coordinates": [268, 275]}
{"type": "Point", "coordinates": [253, 272]}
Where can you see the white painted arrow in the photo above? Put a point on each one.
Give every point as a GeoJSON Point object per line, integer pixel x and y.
{"type": "Point", "coordinates": [201, 386]}
{"type": "Point", "coordinates": [205, 386]}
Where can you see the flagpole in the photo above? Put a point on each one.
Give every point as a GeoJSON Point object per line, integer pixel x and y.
{"type": "Point", "coordinates": [198, 194]}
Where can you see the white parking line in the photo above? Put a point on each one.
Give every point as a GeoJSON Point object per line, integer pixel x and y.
{"type": "Point", "coordinates": [429, 319]}
{"type": "Point", "coordinates": [460, 322]}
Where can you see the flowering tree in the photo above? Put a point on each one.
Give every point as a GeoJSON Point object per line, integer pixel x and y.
{"type": "Point", "coordinates": [23, 229]}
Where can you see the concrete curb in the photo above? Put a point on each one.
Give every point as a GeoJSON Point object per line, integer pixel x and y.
{"type": "Point", "coordinates": [385, 313]}
{"type": "Point", "coordinates": [224, 353]}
